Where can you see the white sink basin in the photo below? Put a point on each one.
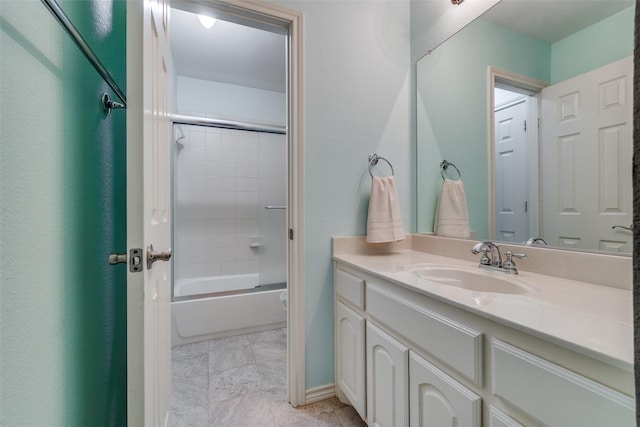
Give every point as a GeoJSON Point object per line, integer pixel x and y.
{"type": "Point", "coordinates": [475, 280]}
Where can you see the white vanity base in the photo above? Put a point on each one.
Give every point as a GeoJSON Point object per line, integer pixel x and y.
{"type": "Point", "coordinates": [406, 355]}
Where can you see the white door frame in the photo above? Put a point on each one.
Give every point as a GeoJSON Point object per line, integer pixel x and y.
{"type": "Point", "coordinates": [497, 75]}
{"type": "Point", "coordinates": [292, 21]}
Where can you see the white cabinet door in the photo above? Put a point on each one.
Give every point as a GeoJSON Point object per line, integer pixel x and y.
{"type": "Point", "coordinates": [387, 376]}
{"type": "Point", "coordinates": [437, 400]}
{"type": "Point", "coordinates": [350, 357]}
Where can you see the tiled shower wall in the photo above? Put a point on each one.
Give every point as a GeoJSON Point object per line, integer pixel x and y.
{"type": "Point", "coordinates": [222, 181]}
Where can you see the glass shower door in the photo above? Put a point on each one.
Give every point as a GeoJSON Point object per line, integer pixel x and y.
{"type": "Point", "coordinates": [273, 215]}
{"type": "Point", "coordinates": [229, 196]}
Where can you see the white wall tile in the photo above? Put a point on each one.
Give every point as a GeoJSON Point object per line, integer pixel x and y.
{"type": "Point", "coordinates": [219, 176]}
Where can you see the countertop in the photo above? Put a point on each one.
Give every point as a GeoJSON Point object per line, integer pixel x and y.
{"type": "Point", "coordinates": [592, 319]}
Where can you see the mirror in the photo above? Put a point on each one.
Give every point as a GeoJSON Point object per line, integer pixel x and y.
{"type": "Point", "coordinates": [532, 47]}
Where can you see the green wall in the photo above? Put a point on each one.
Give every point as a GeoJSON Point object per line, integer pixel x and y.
{"type": "Point", "coordinates": [356, 102]}
{"type": "Point", "coordinates": [600, 44]}
{"type": "Point", "coordinates": [452, 99]}
{"type": "Point", "coordinates": [62, 190]}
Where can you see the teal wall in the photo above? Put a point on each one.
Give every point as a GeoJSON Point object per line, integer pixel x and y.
{"type": "Point", "coordinates": [452, 99]}
{"type": "Point", "coordinates": [62, 188]}
{"type": "Point", "coordinates": [356, 102]}
{"type": "Point", "coordinates": [602, 43]}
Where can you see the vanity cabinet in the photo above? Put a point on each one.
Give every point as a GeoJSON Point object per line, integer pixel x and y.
{"type": "Point", "coordinates": [404, 358]}
{"type": "Point", "coordinates": [497, 418]}
{"type": "Point", "coordinates": [387, 377]}
{"type": "Point", "coordinates": [553, 394]}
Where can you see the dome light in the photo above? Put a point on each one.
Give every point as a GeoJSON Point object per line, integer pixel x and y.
{"type": "Point", "coordinates": [206, 21]}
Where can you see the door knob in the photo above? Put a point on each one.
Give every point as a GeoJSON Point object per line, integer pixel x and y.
{"type": "Point", "coordinates": [153, 256]}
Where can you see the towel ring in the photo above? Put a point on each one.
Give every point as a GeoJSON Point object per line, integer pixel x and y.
{"type": "Point", "coordinates": [373, 160]}
{"type": "Point", "coordinates": [443, 167]}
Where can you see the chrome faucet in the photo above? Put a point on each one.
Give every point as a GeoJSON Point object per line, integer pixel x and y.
{"type": "Point", "coordinates": [535, 241]}
{"type": "Point", "coordinates": [490, 254]}
{"type": "Point", "coordinates": [492, 260]}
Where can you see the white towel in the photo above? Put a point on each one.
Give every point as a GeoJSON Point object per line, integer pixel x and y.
{"type": "Point", "coordinates": [384, 223]}
{"type": "Point", "coordinates": [452, 216]}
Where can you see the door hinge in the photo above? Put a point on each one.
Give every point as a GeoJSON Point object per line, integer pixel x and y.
{"type": "Point", "coordinates": [526, 206]}
{"type": "Point", "coordinates": [291, 234]}
{"type": "Point", "coordinates": [525, 125]}
{"type": "Point", "coordinates": [135, 260]}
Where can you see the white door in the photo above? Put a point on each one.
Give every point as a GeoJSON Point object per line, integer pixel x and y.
{"type": "Point", "coordinates": [511, 174]}
{"type": "Point", "coordinates": [148, 213]}
{"type": "Point", "coordinates": [586, 152]}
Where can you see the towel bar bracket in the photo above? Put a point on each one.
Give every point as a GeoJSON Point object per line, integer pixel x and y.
{"type": "Point", "coordinates": [108, 104]}
{"type": "Point", "coordinates": [443, 167]}
{"type": "Point", "coordinates": [373, 160]}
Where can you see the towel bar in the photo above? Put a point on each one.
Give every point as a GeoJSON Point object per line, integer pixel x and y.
{"type": "Point", "coordinates": [443, 167]}
{"type": "Point", "coordinates": [373, 160]}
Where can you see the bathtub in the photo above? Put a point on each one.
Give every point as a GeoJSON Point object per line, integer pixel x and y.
{"type": "Point", "coordinates": [231, 306]}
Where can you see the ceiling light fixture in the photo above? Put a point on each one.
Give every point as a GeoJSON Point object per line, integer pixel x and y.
{"type": "Point", "coordinates": [456, 1]}
{"type": "Point", "coordinates": [206, 21]}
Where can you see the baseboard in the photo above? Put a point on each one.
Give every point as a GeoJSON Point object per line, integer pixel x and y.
{"type": "Point", "coordinates": [317, 394]}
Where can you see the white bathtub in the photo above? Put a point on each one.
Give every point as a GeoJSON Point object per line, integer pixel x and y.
{"type": "Point", "coordinates": [217, 316]}
{"type": "Point", "coordinates": [209, 285]}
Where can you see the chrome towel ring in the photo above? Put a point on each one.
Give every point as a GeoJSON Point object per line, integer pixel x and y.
{"type": "Point", "coordinates": [443, 167]}
{"type": "Point", "coordinates": [373, 160]}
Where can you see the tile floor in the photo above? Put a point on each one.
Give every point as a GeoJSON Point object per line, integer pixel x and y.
{"type": "Point", "coordinates": [241, 382]}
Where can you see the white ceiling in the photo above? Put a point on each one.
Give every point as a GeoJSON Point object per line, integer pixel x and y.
{"type": "Point", "coordinates": [552, 20]}
{"type": "Point", "coordinates": [227, 52]}
{"type": "Point", "coordinates": [246, 56]}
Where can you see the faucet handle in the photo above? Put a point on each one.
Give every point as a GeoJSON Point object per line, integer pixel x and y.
{"type": "Point", "coordinates": [484, 259]}
{"type": "Point", "coordinates": [510, 254]}
{"type": "Point", "coordinates": [509, 264]}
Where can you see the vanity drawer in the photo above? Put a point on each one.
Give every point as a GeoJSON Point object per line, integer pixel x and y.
{"type": "Point", "coordinates": [554, 395]}
{"type": "Point", "coordinates": [349, 288]}
{"type": "Point", "coordinates": [497, 418]}
{"type": "Point", "coordinates": [454, 344]}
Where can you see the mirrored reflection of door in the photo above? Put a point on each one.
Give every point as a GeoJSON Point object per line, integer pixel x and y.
{"type": "Point", "coordinates": [586, 151]}
{"type": "Point", "coordinates": [511, 171]}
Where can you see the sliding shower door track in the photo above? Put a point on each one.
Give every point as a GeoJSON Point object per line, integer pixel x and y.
{"type": "Point", "coordinates": [259, 288]}
{"type": "Point", "coordinates": [227, 124]}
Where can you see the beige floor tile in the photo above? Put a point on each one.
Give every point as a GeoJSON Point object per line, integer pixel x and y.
{"type": "Point", "coordinates": [349, 417]}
